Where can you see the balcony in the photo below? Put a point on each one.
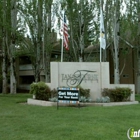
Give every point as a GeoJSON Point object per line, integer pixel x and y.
{"type": "Point", "coordinates": [25, 67]}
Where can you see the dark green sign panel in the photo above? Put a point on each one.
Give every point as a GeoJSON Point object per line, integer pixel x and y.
{"type": "Point", "coordinates": [70, 94]}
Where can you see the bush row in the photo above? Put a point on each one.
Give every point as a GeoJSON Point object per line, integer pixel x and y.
{"type": "Point", "coordinates": [43, 92]}
{"type": "Point", "coordinates": [117, 94]}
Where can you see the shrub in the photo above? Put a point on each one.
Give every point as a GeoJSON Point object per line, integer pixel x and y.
{"type": "Point", "coordinates": [105, 99]}
{"type": "Point", "coordinates": [33, 88]}
{"type": "Point", "coordinates": [89, 99]}
{"type": "Point", "coordinates": [82, 99]}
{"type": "Point", "coordinates": [54, 93]}
{"type": "Point", "coordinates": [84, 95]}
{"type": "Point", "coordinates": [84, 92]}
{"type": "Point", "coordinates": [117, 94]}
{"type": "Point", "coordinates": [40, 90]}
{"type": "Point", "coordinates": [53, 99]}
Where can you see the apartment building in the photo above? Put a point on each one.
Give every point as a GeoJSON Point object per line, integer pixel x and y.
{"type": "Point", "coordinates": [128, 66]}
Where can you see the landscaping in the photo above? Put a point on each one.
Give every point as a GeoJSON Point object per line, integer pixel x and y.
{"type": "Point", "coordinates": [19, 121]}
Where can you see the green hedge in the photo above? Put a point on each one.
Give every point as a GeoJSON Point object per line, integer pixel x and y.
{"type": "Point", "coordinates": [40, 90]}
{"type": "Point", "coordinates": [84, 92]}
{"type": "Point", "coordinates": [118, 94]}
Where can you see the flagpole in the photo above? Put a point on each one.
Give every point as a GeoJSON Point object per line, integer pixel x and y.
{"type": "Point", "coordinates": [62, 49]}
{"type": "Point", "coordinates": [100, 53]}
{"type": "Point", "coordinates": [62, 37]}
{"type": "Point", "coordinates": [100, 32]}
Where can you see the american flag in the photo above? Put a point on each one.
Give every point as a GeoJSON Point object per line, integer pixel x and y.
{"type": "Point", "coordinates": [65, 34]}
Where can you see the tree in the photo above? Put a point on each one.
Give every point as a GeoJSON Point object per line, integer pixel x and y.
{"type": "Point", "coordinates": [9, 16]}
{"type": "Point", "coordinates": [116, 43]}
{"type": "Point", "coordinates": [38, 45]}
{"type": "Point", "coordinates": [11, 36]}
{"type": "Point", "coordinates": [134, 36]}
{"type": "Point", "coordinates": [32, 12]}
{"type": "Point", "coordinates": [138, 50]}
{"type": "Point", "coordinates": [13, 7]}
{"type": "Point", "coordinates": [47, 38]}
{"type": "Point", "coordinates": [80, 17]}
{"type": "Point", "coordinates": [113, 33]}
{"type": "Point", "coordinates": [4, 38]}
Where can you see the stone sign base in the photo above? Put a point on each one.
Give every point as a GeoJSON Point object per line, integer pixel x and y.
{"type": "Point", "coordinates": [48, 103]}
{"type": "Point", "coordinates": [92, 75]}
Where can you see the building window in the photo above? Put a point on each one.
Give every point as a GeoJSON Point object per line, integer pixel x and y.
{"type": "Point", "coordinates": [26, 79]}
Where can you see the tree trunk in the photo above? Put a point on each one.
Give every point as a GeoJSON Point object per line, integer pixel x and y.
{"type": "Point", "coordinates": [48, 39]}
{"type": "Point", "coordinates": [12, 76]}
{"type": "Point", "coordinates": [4, 53]}
{"type": "Point", "coordinates": [39, 42]}
{"type": "Point", "coordinates": [81, 40]}
{"type": "Point", "coordinates": [47, 71]}
{"type": "Point", "coordinates": [12, 47]}
{"type": "Point", "coordinates": [72, 42]}
{"type": "Point", "coordinates": [116, 45]}
{"type": "Point", "coordinates": [45, 48]}
{"type": "Point", "coordinates": [4, 68]}
{"type": "Point", "coordinates": [138, 55]}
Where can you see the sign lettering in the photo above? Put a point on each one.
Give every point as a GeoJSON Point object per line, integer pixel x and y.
{"type": "Point", "coordinates": [71, 94]}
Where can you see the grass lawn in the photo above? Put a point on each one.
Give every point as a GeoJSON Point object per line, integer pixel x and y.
{"type": "Point", "coordinates": [20, 121]}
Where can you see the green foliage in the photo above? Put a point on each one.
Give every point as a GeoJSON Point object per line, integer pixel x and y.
{"type": "Point", "coordinates": [53, 93]}
{"type": "Point", "coordinates": [84, 92]}
{"type": "Point", "coordinates": [117, 94]}
{"type": "Point", "coordinates": [43, 91]}
{"type": "Point", "coordinates": [40, 90]}
{"type": "Point", "coordinates": [83, 99]}
{"type": "Point", "coordinates": [81, 24]}
{"type": "Point", "coordinates": [53, 99]}
{"type": "Point", "coordinates": [105, 99]}
{"type": "Point", "coordinates": [84, 95]}
{"type": "Point", "coordinates": [33, 88]}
